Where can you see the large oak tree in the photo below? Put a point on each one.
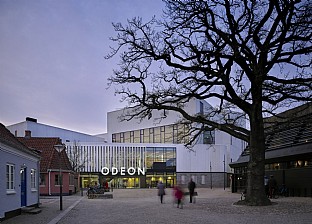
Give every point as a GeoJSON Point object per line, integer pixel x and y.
{"type": "Point", "coordinates": [253, 56]}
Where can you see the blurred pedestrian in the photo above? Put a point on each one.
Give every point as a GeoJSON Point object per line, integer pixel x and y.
{"type": "Point", "coordinates": [178, 195]}
{"type": "Point", "coordinates": [161, 191]}
{"type": "Point", "coordinates": [191, 187]}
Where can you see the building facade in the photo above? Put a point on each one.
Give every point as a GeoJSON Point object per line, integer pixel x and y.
{"type": "Point", "coordinates": [155, 144]}
{"type": "Point", "coordinates": [288, 156]}
{"type": "Point", "coordinates": [50, 164]}
{"type": "Point", "coordinates": [19, 174]}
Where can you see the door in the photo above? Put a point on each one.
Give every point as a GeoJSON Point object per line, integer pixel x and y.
{"type": "Point", "coordinates": [169, 182]}
{"type": "Point", "coordinates": [23, 186]}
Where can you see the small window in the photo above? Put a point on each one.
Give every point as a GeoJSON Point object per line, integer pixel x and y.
{"type": "Point", "coordinates": [113, 137]}
{"type": "Point", "coordinates": [201, 108]}
{"type": "Point", "coordinates": [33, 178]}
{"type": "Point", "coordinates": [183, 179]}
{"type": "Point", "coordinates": [10, 176]}
{"type": "Point", "coordinates": [57, 179]}
{"type": "Point", "coordinates": [203, 179]}
{"type": "Point", "coordinates": [209, 137]}
{"type": "Point", "coordinates": [42, 179]}
{"type": "Point", "coordinates": [194, 178]}
{"type": "Point", "coordinates": [71, 179]}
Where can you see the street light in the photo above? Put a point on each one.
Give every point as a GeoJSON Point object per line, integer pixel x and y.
{"type": "Point", "coordinates": [81, 168]}
{"type": "Point", "coordinates": [59, 148]}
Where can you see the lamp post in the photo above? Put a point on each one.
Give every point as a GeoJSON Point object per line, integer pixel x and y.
{"type": "Point", "coordinates": [59, 148]}
{"type": "Point", "coordinates": [81, 168]}
{"type": "Point", "coordinates": [224, 172]}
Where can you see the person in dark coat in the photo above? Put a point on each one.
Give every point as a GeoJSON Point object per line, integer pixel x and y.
{"type": "Point", "coordinates": [161, 191]}
{"type": "Point", "coordinates": [191, 187]}
{"type": "Point", "coordinates": [272, 186]}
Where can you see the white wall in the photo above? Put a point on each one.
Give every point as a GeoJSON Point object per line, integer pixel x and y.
{"type": "Point", "coordinates": [200, 157]}
{"type": "Point", "coordinates": [114, 125]}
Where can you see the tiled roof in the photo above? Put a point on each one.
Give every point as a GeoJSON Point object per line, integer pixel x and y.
{"type": "Point", "coordinates": [6, 137]}
{"type": "Point", "coordinates": [49, 156]}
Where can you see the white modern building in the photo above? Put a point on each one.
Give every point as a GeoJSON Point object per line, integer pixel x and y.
{"type": "Point", "coordinates": [153, 144]}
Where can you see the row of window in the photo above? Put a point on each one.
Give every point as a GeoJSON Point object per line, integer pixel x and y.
{"type": "Point", "coordinates": [175, 134]}
{"type": "Point", "coordinates": [289, 165]}
{"type": "Point", "coordinates": [159, 154]}
{"type": "Point", "coordinates": [197, 179]}
{"type": "Point", "coordinates": [57, 179]}
{"type": "Point", "coordinates": [280, 166]}
{"type": "Point", "coordinates": [10, 177]}
{"type": "Point", "coordinates": [171, 134]}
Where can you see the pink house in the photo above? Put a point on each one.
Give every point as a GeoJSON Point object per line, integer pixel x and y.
{"type": "Point", "coordinates": [50, 163]}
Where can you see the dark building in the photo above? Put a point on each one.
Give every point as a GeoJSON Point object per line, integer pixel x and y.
{"type": "Point", "coordinates": [288, 153]}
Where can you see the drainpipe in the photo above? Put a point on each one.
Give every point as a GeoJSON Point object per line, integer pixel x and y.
{"type": "Point", "coordinates": [49, 182]}
{"type": "Point", "coordinates": [38, 184]}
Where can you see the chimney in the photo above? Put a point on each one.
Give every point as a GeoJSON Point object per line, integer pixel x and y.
{"type": "Point", "coordinates": [27, 134]}
{"type": "Point", "coordinates": [31, 119]}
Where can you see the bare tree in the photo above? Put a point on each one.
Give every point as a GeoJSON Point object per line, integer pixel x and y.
{"type": "Point", "coordinates": [76, 157]}
{"type": "Point", "coordinates": [252, 56]}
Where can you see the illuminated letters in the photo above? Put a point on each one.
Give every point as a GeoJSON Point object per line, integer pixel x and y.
{"type": "Point", "coordinates": [123, 171]}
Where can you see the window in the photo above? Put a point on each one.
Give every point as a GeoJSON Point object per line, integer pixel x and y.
{"type": "Point", "coordinates": [10, 176]}
{"type": "Point", "coordinates": [203, 178]}
{"type": "Point", "coordinates": [183, 179]}
{"type": "Point", "coordinates": [201, 108]}
{"type": "Point", "coordinates": [42, 179]}
{"type": "Point", "coordinates": [33, 178]}
{"type": "Point", "coordinates": [194, 178]}
{"type": "Point", "coordinates": [57, 179]}
{"type": "Point", "coordinates": [209, 137]}
{"type": "Point", "coordinates": [113, 137]}
{"type": "Point", "coordinates": [71, 179]}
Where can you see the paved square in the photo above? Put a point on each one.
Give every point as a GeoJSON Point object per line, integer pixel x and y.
{"type": "Point", "coordinates": [143, 206]}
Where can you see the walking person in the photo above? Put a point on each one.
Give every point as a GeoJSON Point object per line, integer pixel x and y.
{"type": "Point", "coordinates": [161, 191]}
{"type": "Point", "coordinates": [191, 187]}
{"type": "Point", "coordinates": [272, 186]}
{"type": "Point", "coordinates": [178, 195]}
{"type": "Point", "coordinates": [266, 186]}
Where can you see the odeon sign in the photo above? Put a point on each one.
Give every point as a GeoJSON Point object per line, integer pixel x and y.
{"type": "Point", "coordinates": [123, 171]}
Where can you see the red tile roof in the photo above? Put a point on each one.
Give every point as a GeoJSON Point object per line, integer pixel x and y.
{"type": "Point", "coordinates": [49, 155]}
{"type": "Point", "coordinates": [9, 139]}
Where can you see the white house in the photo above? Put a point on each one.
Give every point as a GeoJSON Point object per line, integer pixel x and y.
{"type": "Point", "coordinates": [19, 175]}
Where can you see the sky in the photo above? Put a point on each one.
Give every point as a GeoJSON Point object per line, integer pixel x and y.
{"type": "Point", "coordinates": [52, 65]}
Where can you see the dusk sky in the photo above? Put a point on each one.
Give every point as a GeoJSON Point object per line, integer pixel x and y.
{"type": "Point", "coordinates": [52, 59]}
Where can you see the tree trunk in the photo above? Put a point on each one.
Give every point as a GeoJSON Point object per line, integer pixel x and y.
{"type": "Point", "coordinates": [255, 173]}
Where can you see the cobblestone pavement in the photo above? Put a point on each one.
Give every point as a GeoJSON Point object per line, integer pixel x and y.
{"type": "Point", "coordinates": [143, 206]}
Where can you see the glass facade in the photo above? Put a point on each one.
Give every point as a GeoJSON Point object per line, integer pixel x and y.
{"type": "Point", "coordinates": [161, 166]}
{"type": "Point", "coordinates": [171, 134]}
{"type": "Point", "coordinates": [159, 163]}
